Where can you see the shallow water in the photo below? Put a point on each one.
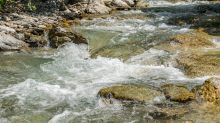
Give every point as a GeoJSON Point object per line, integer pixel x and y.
{"type": "Point", "coordinates": [62, 85]}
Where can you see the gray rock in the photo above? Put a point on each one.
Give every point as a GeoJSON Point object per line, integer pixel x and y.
{"type": "Point", "coordinates": [9, 43]}
{"type": "Point", "coordinates": [7, 29]}
{"type": "Point", "coordinates": [130, 2]}
{"type": "Point", "coordinates": [20, 36]}
{"type": "Point", "coordinates": [120, 4]}
{"type": "Point", "coordinates": [97, 8]}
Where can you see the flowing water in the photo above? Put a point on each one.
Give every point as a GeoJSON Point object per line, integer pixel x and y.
{"type": "Point", "coordinates": [61, 86]}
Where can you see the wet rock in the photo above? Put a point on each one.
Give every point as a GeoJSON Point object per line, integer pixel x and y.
{"type": "Point", "coordinates": [210, 89]}
{"type": "Point", "coordinates": [37, 41]}
{"type": "Point", "coordinates": [185, 42]}
{"type": "Point", "coordinates": [142, 4]}
{"type": "Point", "coordinates": [190, 41]}
{"type": "Point", "coordinates": [123, 52]}
{"type": "Point", "coordinates": [6, 29]}
{"type": "Point", "coordinates": [60, 32]}
{"type": "Point", "coordinates": [178, 94]}
{"type": "Point", "coordinates": [198, 65]}
{"type": "Point", "coordinates": [179, 121]}
{"type": "Point", "coordinates": [97, 8]}
{"type": "Point", "coordinates": [37, 31]}
{"type": "Point", "coordinates": [9, 43]}
{"type": "Point", "coordinates": [170, 112]}
{"type": "Point", "coordinates": [57, 41]}
{"type": "Point", "coordinates": [130, 92]}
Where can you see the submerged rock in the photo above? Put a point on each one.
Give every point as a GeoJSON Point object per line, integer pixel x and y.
{"type": "Point", "coordinates": [123, 52]}
{"type": "Point", "coordinates": [196, 65]}
{"type": "Point", "coordinates": [170, 112]}
{"type": "Point", "coordinates": [9, 43]}
{"type": "Point", "coordinates": [210, 89]}
{"type": "Point", "coordinates": [179, 121]}
{"type": "Point", "coordinates": [185, 42]}
{"type": "Point", "coordinates": [190, 41]}
{"type": "Point", "coordinates": [130, 92]}
{"type": "Point", "coordinates": [59, 35]}
{"type": "Point", "coordinates": [193, 59]}
{"type": "Point", "coordinates": [178, 94]}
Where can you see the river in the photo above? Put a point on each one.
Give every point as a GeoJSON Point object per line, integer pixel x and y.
{"type": "Point", "coordinates": [61, 85]}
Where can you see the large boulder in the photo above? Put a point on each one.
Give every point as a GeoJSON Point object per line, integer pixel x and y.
{"type": "Point", "coordinates": [98, 8]}
{"type": "Point", "coordinates": [142, 4]}
{"type": "Point", "coordinates": [56, 33]}
{"type": "Point", "coordinates": [210, 89]}
{"type": "Point", "coordinates": [177, 93]}
{"type": "Point", "coordinates": [130, 92]}
{"type": "Point", "coordinates": [120, 4]}
{"type": "Point", "coordinates": [9, 43]}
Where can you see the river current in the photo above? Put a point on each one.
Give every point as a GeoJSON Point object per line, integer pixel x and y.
{"type": "Point", "coordinates": [61, 85]}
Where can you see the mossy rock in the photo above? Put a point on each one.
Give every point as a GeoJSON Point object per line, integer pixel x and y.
{"type": "Point", "coordinates": [36, 41]}
{"type": "Point", "coordinates": [130, 92]}
{"type": "Point", "coordinates": [177, 93]}
{"type": "Point", "coordinates": [210, 89]}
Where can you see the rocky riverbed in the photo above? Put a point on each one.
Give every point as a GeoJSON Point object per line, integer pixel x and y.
{"type": "Point", "coordinates": [110, 61]}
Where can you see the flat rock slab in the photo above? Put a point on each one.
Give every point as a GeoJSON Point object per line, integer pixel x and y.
{"type": "Point", "coordinates": [171, 112]}
{"type": "Point", "coordinates": [185, 42]}
{"type": "Point", "coordinates": [179, 121]}
{"type": "Point", "coordinates": [196, 65]}
{"type": "Point", "coordinates": [177, 94]}
{"type": "Point", "coordinates": [130, 92]}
